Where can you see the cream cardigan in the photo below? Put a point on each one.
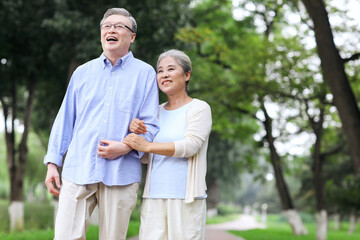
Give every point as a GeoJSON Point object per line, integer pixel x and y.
{"type": "Point", "coordinates": [193, 146]}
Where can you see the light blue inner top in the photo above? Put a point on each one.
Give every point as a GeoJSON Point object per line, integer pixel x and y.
{"type": "Point", "coordinates": [169, 174]}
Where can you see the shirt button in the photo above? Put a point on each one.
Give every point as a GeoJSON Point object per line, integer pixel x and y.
{"type": "Point", "coordinates": [104, 121]}
{"type": "Point", "coordinates": [107, 104]}
{"type": "Point", "coordinates": [110, 88]}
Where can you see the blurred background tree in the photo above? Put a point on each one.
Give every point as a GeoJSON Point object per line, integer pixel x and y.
{"type": "Point", "coordinates": [254, 62]}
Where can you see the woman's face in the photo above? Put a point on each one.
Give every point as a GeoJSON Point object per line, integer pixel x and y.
{"type": "Point", "coordinates": [171, 77]}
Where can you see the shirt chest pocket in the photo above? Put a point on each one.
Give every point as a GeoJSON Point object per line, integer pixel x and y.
{"type": "Point", "coordinates": [127, 101]}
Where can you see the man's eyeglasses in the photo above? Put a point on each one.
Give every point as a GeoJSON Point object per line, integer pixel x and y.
{"type": "Point", "coordinates": [117, 26]}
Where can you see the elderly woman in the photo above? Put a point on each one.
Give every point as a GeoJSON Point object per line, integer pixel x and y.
{"type": "Point", "coordinates": [174, 204]}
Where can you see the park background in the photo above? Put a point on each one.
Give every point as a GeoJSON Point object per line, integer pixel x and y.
{"type": "Point", "coordinates": [282, 78]}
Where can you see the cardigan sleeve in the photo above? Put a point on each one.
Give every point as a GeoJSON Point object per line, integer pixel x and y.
{"type": "Point", "coordinates": [197, 130]}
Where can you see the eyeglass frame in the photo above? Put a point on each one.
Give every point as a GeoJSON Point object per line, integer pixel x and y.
{"type": "Point", "coordinates": [115, 27]}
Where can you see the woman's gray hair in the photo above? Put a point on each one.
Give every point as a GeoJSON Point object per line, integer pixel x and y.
{"type": "Point", "coordinates": [181, 58]}
{"type": "Point", "coordinates": [122, 12]}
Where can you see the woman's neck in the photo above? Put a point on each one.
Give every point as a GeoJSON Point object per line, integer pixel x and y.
{"type": "Point", "coordinates": [175, 102]}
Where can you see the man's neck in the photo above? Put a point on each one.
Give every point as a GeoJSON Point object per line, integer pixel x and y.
{"type": "Point", "coordinates": [114, 57]}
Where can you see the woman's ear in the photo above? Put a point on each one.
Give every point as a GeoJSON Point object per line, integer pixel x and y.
{"type": "Point", "coordinates": [187, 76]}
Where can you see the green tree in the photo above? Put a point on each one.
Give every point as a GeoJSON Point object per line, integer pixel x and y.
{"type": "Point", "coordinates": [226, 160]}
{"type": "Point", "coordinates": [26, 65]}
{"type": "Point", "coordinates": [333, 67]}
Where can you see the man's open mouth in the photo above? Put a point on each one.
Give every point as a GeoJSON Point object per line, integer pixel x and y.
{"type": "Point", "coordinates": [111, 39]}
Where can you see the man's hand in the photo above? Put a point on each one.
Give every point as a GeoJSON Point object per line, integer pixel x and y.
{"type": "Point", "coordinates": [52, 180]}
{"type": "Point", "coordinates": [137, 126]}
{"type": "Point", "coordinates": [112, 149]}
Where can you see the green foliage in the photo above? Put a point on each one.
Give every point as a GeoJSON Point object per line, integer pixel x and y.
{"type": "Point", "coordinates": [38, 215]}
{"type": "Point", "coordinates": [255, 193]}
{"type": "Point", "coordinates": [224, 210]}
{"type": "Point", "coordinates": [4, 216]}
{"type": "Point", "coordinates": [307, 218]}
{"type": "Point", "coordinates": [35, 168]}
{"type": "Point", "coordinates": [222, 53]}
{"type": "Point", "coordinates": [345, 193]}
{"type": "Point", "coordinates": [226, 159]}
{"type": "Point", "coordinates": [221, 219]}
{"type": "Point", "coordinates": [238, 67]}
{"type": "Point", "coordinates": [4, 174]}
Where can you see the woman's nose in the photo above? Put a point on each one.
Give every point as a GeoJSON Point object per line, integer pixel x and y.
{"type": "Point", "coordinates": [165, 74]}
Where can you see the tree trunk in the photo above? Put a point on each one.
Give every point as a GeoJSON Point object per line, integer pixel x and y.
{"type": "Point", "coordinates": [318, 160]}
{"type": "Point", "coordinates": [334, 75]}
{"type": "Point", "coordinates": [16, 213]}
{"type": "Point", "coordinates": [352, 223]}
{"type": "Point", "coordinates": [287, 204]}
{"type": "Point", "coordinates": [293, 218]}
{"type": "Point", "coordinates": [74, 63]}
{"type": "Point", "coordinates": [16, 162]}
{"type": "Point", "coordinates": [336, 221]}
{"type": "Point", "coordinates": [281, 185]}
{"type": "Point", "coordinates": [318, 163]}
{"type": "Point", "coordinates": [212, 194]}
{"type": "Point", "coordinates": [321, 225]}
{"type": "Point", "coordinates": [16, 207]}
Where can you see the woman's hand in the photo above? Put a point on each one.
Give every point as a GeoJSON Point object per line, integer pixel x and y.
{"type": "Point", "coordinates": [137, 142]}
{"type": "Point", "coordinates": [137, 126]}
{"type": "Point", "coordinates": [112, 149]}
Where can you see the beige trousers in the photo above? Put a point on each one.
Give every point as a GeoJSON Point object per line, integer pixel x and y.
{"type": "Point", "coordinates": [172, 219]}
{"type": "Point", "coordinates": [76, 203]}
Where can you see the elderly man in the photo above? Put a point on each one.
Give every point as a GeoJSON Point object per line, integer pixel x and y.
{"type": "Point", "coordinates": [102, 98]}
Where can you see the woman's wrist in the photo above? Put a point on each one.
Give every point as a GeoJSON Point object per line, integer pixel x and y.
{"type": "Point", "coordinates": [148, 147]}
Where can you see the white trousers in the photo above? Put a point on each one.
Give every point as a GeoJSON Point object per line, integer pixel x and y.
{"type": "Point", "coordinates": [172, 219]}
{"type": "Point", "coordinates": [76, 203]}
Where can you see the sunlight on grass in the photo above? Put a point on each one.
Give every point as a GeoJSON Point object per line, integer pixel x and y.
{"type": "Point", "coordinates": [278, 230]}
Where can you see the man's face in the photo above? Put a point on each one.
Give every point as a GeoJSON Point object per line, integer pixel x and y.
{"type": "Point", "coordinates": [116, 40]}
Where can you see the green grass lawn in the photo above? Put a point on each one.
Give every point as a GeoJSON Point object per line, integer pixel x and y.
{"type": "Point", "coordinates": [280, 230]}
{"type": "Point", "coordinates": [92, 233]}
{"type": "Point", "coordinates": [277, 229]}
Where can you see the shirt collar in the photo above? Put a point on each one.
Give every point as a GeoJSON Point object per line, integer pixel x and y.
{"type": "Point", "coordinates": [122, 62]}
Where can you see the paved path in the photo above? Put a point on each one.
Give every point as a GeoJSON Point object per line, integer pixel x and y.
{"type": "Point", "coordinates": [219, 231]}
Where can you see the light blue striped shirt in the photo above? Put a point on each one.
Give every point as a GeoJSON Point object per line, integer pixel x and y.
{"type": "Point", "coordinates": [100, 102]}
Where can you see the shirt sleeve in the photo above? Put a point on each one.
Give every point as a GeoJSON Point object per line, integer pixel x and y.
{"type": "Point", "coordinates": [62, 129]}
{"type": "Point", "coordinates": [149, 110]}
{"type": "Point", "coordinates": [197, 131]}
